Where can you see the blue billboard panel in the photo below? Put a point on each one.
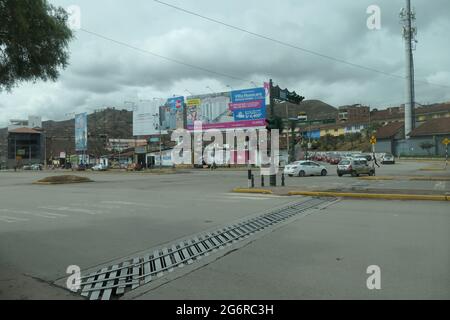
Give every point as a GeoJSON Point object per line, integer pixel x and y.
{"type": "Point", "coordinates": [250, 114]}
{"type": "Point", "coordinates": [172, 113]}
{"type": "Point", "coordinates": [81, 132]}
{"type": "Point", "coordinates": [248, 95]}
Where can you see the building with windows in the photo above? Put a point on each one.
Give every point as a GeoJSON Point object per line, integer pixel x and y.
{"type": "Point", "coordinates": [26, 146]}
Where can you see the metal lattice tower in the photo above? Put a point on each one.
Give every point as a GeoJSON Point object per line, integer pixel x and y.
{"type": "Point", "coordinates": [408, 18]}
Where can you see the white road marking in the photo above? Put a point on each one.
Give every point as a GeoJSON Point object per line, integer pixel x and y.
{"type": "Point", "coordinates": [100, 206]}
{"type": "Point", "coordinates": [11, 219]}
{"type": "Point", "coordinates": [250, 198]}
{"type": "Point", "coordinates": [139, 204]}
{"type": "Point", "coordinates": [69, 209]}
{"type": "Point", "coordinates": [41, 215]}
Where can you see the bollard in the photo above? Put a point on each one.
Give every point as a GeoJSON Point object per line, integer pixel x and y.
{"type": "Point", "coordinates": [249, 178]}
{"type": "Point", "coordinates": [253, 181]}
{"type": "Point", "coordinates": [273, 180]}
{"type": "Point", "coordinates": [283, 180]}
{"type": "Point", "coordinates": [262, 180]}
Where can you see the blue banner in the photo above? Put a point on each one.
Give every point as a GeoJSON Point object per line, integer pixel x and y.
{"type": "Point", "coordinates": [247, 95]}
{"type": "Point", "coordinates": [81, 132]}
{"type": "Point", "coordinates": [249, 114]}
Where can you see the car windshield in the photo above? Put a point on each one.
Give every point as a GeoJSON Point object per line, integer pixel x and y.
{"type": "Point", "coordinates": [344, 162]}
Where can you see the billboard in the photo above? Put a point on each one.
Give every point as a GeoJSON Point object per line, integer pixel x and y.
{"type": "Point", "coordinates": [172, 113]}
{"type": "Point", "coordinates": [148, 116]}
{"type": "Point", "coordinates": [228, 110]}
{"type": "Point", "coordinates": [81, 132]}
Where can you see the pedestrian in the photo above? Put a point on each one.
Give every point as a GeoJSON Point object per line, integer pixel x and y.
{"type": "Point", "coordinates": [375, 161]}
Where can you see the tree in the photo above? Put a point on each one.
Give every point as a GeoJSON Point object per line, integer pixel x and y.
{"type": "Point", "coordinates": [427, 146]}
{"type": "Point", "coordinates": [34, 39]}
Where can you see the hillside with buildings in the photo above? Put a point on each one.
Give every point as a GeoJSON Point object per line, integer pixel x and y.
{"type": "Point", "coordinates": [325, 126]}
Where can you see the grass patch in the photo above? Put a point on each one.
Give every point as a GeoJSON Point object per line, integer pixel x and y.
{"type": "Point", "coordinates": [66, 179]}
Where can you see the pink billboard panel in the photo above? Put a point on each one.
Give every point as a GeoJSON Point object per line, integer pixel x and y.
{"type": "Point", "coordinates": [232, 125]}
{"type": "Point", "coordinates": [247, 105]}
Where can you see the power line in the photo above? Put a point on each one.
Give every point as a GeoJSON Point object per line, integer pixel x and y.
{"type": "Point", "coordinates": [164, 57]}
{"type": "Point", "coordinates": [292, 46]}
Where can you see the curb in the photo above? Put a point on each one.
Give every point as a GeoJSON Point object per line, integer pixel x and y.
{"type": "Point", "coordinates": [378, 178]}
{"type": "Point", "coordinates": [433, 169]}
{"type": "Point", "coordinates": [430, 179]}
{"type": "Point", "coordinates": [246, 190]}
{"type": "Point", "coordinates": [372, 196]}
{"type": "Point", "coordinates": [406, 178]}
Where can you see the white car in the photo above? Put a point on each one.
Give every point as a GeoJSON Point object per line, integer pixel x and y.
{"type": "Point", "coordinates": [99, 167]}
{"type": "Point", "coordinates": [305, 168]}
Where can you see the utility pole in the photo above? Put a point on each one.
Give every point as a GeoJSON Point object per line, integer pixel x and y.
{"type": "Point", "coordinates": [408, 18]}
{"type": "Point", "coordinates": [160, 143]}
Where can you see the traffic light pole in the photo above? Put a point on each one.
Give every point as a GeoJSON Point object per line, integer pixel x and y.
{"type": "Point", "coordinates": [273, 177]}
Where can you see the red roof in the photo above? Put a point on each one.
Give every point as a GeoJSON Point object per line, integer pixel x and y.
{"type": "Point", "coordinates": [389, 130]}
{"type": "Point", "coordinates": [439, 126]}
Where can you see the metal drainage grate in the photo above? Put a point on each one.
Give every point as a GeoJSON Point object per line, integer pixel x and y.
{"type": "Point", "coordinates": [114, 281]}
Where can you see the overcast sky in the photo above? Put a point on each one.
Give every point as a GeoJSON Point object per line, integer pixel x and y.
{"type": "Point", "coordinates": [103, 73]}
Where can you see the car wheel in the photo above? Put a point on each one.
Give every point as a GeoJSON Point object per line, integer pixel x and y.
{"type": "Point", "coordinates": [340, 175]}
{"type": "Point", "coordinates": [324, 173]}
{"type": "Point", "coordinates": [302, 173]}
{"type": "Point", "coordinates": [290, 175]}
{"type": "Point", "coordinates": [354, 174]}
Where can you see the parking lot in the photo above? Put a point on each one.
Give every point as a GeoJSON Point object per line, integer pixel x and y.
{"type": "Point", "coordinates": [44, 229]}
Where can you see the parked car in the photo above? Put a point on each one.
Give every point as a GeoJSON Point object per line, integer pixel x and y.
{"type": "Point", "coordinates": [355, 167]}
{"type": "Point", "coordinates": [334, 160]}
{"type": "Point", "coordinates": [37, 167]}
{"type": "Point", "coordinates": [388, 159]}
{"type": "Point", "coordinates": [99, 167]}
{"type": "Point", "coordinates": [33, 167]}
{"type": "Point", "coordinates": [305, 168]}
{"type": "Point", "coordinates": [81, 167]}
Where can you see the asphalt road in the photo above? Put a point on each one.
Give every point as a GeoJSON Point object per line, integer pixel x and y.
{"type": "Point", "coordinates": [44, 229]}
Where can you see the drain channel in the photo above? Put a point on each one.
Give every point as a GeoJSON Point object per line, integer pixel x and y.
{"type": "Point", "coordinates": [115, 280]}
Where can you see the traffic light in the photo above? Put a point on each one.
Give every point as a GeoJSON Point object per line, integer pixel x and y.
{"type": "Point", "coordinates": [286, 95]}
{"type": "Point", "coordinates": [269, 125]}
{"type": "Point", "coordinates": [295, 98]}
{"type": "Point", "coordinates": [274, 123]}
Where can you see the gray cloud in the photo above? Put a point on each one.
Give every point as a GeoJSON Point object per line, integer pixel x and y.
{"type": "Point", "coordinates": [103, 73]}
